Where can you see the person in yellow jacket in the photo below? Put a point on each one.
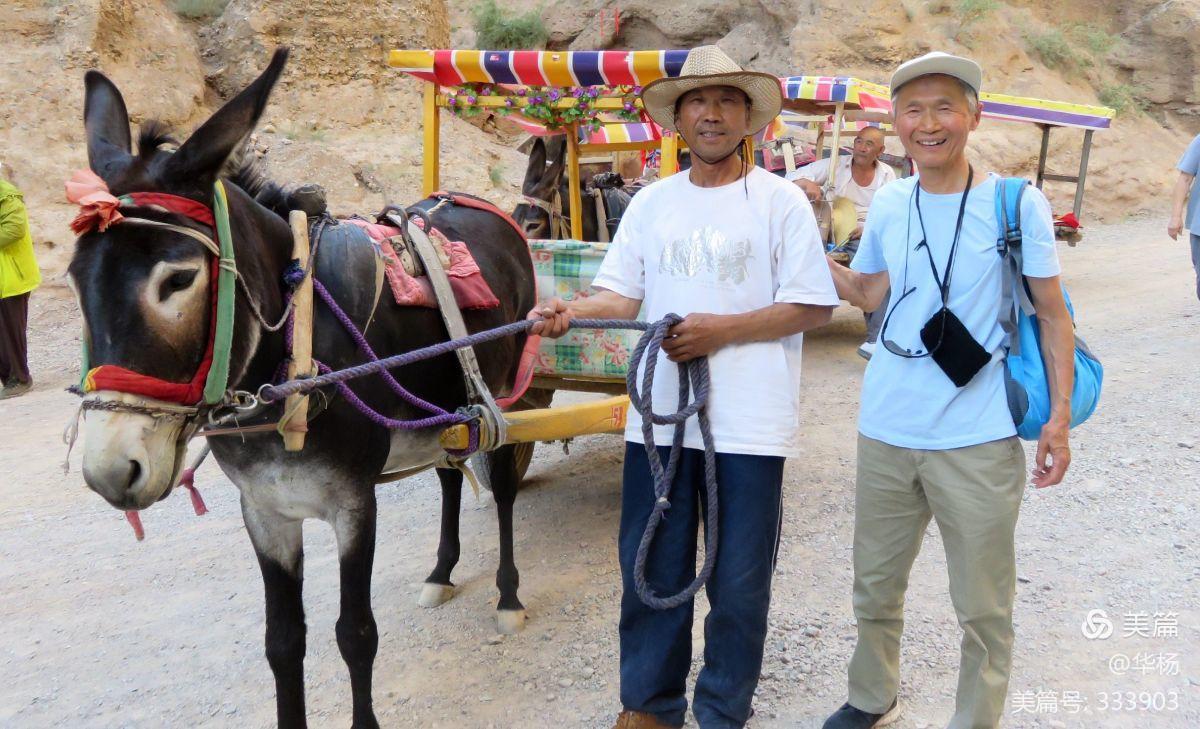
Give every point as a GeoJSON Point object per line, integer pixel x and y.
{"type": "Point", "coordinates": [19, 275]}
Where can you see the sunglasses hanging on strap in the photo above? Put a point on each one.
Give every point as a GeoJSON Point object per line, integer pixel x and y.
{"type": "Point", "coordinates": [947, 340]}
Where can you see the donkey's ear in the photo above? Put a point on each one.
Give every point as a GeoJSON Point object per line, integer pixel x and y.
{"type": "Point", "coordinates": [556, 157]}
{"type": "Point", "coordinates": [107, 125]}
{"type": "Point", "coordinates": [205, 152]}
{"type": "Point", "coordinates": [537, 166]}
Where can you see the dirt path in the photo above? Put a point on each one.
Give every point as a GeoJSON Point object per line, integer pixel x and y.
{"type": "Point", "coordinates": [101, 631]}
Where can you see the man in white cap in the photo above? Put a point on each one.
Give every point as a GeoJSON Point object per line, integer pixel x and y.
{"type": "Point", "coordinates": [927, 446]}
{"type": "Point", "coordinates": [735, 250]}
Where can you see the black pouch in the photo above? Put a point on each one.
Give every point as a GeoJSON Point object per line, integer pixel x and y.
{"type": "Point", "coordinates": [953, 348]}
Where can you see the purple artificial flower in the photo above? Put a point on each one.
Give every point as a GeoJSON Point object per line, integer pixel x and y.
{"type": "Point", "coordinates": [578, 92]}
{"type": "Point", "coordinates": [536, 100]}
{"type": "Point", "coordinates": [472, 99]}
{"type": "Point", "coordinates": [452, 100]}
{"type": "Point", "coordinates": [508, 102]}
{"type": "Point", "coordinates": [521, 91]}
{"type": "Point", "coordinates": [554, 94]}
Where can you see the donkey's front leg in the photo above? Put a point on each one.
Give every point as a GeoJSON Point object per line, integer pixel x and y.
{"type": "Point", "coordinates": [510, 615]}
{"type": "Point", "coordinates": [438, 588]}
{"type": "Point", "coordinates": [357, 636]}
{"type": "Point", "coordinates": [279, 544]}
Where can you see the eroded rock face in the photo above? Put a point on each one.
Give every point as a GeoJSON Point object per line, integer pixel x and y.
{"type": "Point", "coordinates": [45, 47]}
{"type": "Point", "coordinates": [753, 33]}
{"type": "Point", "coordinates": [142, 46]}
{"type": "Point", "coordinates": [1161, 53]}
{"type": "Point", "coordinates": [332, 41]}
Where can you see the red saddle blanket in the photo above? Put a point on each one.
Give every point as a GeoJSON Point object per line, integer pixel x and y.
{"type": "Point", "coordinates": [471, 291]}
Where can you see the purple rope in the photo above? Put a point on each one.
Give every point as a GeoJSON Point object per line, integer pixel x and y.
{"type": "Point", "coordinates": [292, 277]}
{"type": "Point", "coordinates": [444, 418]}
{"type": "Point", "coordinates": [365, 348]}
{"type": "Point", "coordinates": [294, 387]}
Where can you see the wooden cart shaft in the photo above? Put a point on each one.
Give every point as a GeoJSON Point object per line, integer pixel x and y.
{"type": "Point", "coordinates": [567, 421]}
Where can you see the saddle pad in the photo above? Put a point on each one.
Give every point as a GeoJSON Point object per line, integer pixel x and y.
{"type": "Point", "coordinates": [471, 291]}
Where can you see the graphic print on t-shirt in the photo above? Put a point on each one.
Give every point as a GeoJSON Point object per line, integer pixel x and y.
{"type": "Point", "coordinates": [706, 250]}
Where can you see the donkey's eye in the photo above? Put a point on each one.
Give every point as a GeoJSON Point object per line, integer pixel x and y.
{"type": "Point", "coordinates": [176, 282]}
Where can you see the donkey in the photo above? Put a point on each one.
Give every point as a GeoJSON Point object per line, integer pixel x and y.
{"type": "Point", "coordinates": [145, 294]}
{"type": "Point", "coordinates": [542, 216]}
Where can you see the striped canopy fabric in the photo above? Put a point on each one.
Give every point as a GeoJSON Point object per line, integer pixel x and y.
{"type": "Point", "coordinates": [1040, 111]}
{"type": "Point", "coordinates": [540, 68]}
{"type": "Point", "coordinates": [638, 68]}
{"type": "Point", "coordinates": [858, 94]}
{"type": "Point", "coordinates": [831, 89]}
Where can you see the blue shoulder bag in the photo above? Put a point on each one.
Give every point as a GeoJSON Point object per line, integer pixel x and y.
{"type": "Point", "coordinates": [1024, 370]}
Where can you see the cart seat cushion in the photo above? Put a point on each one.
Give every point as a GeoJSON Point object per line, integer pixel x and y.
{"type": "Point", "coordinates": [565, 268]}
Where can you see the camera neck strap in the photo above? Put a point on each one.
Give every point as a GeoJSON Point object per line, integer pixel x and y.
{"type": "Point", "coordinates": [943, 282]}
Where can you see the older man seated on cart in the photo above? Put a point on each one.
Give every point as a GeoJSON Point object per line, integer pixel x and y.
{"type": "Point", "coordinates": [858, 177]}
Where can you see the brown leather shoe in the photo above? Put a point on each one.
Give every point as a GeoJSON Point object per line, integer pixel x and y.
{"type": "Point", "coordinates": [639, 720]}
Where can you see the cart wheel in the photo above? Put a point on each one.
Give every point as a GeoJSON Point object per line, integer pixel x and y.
{"type": "Point", "coordinates": [534, 399]}
{"type": "Point", "coordinates": [523, 453]}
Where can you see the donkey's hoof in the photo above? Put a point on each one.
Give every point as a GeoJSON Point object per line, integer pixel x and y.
{"type": "Point", "coordinates": [433, 595]}
{"type": "Point", "coordinates": [510, 622]}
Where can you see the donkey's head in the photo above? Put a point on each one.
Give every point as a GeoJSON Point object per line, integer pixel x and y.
{"type": "Point", "coordinates": [543, 178]}
{"type": "Point", "coordinates": [147, 290]}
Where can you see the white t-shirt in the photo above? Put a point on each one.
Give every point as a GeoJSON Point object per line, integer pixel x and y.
{"type": "Point", "coordinates": [845, 186]}
{"type": "Point", "coordinates": [911, 403]}
{"type": "Point", "coordinates": [732, 249]}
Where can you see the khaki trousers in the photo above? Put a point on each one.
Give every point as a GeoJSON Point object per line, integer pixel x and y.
{"type": "Point", "coordinates": [975, 495]}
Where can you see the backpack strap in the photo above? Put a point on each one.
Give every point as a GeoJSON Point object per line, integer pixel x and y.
{"type": "Point", "coordinates": [1013, 292]}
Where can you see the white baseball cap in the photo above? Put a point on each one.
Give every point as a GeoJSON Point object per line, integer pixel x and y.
{"type": "Point", "coordinates": [963, 69]}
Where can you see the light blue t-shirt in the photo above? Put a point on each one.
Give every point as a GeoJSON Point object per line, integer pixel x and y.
{"type": "Point", "coordinates": [911, 403]}
{"type": "Point", "coordinates": [1189, 164]}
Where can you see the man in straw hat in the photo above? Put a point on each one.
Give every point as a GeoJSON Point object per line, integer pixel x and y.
{"type": "Point", "coordinates": [735, 250]}
{"type": "Point", "coordinates": [930, 446]}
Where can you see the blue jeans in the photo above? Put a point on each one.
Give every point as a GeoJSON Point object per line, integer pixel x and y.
{"type": "Point", "coordinates": [656, 645]}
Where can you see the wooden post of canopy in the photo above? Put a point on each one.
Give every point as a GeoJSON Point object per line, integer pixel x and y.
{"type": "Point", "coordinates": [668, 155]}
{"type": "Point", "coordinates": [573, 187]}
{"type": "Point", "coordinates": [431, 137]}
{"type": "Point", "coordinates": [1082, 177]}
{"type": "Point", "coordinates": [837, 145]}
{"type": "Point", "coordinates": [1041, 168]}
{"type": "Point", "coordinates": [295, 407]}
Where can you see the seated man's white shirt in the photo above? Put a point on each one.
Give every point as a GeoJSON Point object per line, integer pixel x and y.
{"type": "Point", "coordinates": [732, 249]}
{"type": "Point", "coordinates": [844, 185]}
{"type": "Point", "coordinates": [911, 403]}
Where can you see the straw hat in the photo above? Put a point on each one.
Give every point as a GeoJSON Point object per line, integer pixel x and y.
{"type": "Point", "coordinates": [709, 66]}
